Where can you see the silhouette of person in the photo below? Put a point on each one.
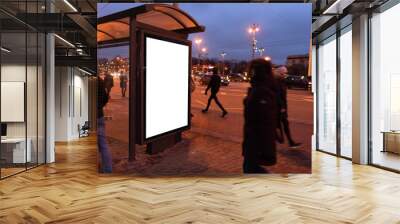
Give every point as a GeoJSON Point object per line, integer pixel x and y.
{"type": "Point", "coordinates": [260, 119]}
{"type": "Point", "coordinates": [102, 99]}
{"type": "Point", "coordinates": [214, 85]}
{"type": "Point", "coordinates": [281, 92]}
{"type": "Point", "coordinates": [108, 83]}
{"type": "Point", "coordinates": [123, 79]}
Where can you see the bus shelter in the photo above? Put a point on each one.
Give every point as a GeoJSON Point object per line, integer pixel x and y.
{"type": "Point", "coordinates": [159, 70]}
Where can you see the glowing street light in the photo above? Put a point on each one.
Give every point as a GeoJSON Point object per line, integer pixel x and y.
{"type": "Point", "coordinates": [204, 53]}
{"type": "Point", "coordinates": [253, 29]}
{"type": "Point", "coordinates": [223, 62]}
{"type": "Point", "coordinates": [198, 42]}
{"type": "Point", "coordinates": [267, 58]}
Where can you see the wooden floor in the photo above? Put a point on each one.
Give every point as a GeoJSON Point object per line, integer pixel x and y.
{"type": "Point", "coordinates": [71, 191]}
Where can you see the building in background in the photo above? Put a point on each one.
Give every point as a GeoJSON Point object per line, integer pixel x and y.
{"type": "Point", "coordinates": [298, 64]}
{"type": "Point", "coordinates": [297, 60]}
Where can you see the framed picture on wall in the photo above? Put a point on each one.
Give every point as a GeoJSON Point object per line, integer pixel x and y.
{"type": "Point", "coordinates": [13, 101]}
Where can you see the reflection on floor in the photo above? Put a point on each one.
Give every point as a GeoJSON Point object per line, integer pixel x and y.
{"type": "Point", "coordinates": [71, 191]}
{"type": "Point", "coordinates": [387, 159]}
{"type": "Point", "coordinates": [10, 171]}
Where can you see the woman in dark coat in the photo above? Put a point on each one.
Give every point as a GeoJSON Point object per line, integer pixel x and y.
{"type": "Point", "coordinates": [260, 116]}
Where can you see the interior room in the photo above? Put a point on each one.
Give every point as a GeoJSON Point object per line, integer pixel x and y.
{"type": "Point", "coordinates": [22, 108]}
{"type": "Point", "coordinates": [49, 171]}
{"type": "Point", "coordinates": [336, 56]}
{"type": "Point", "coordinates": [48, 93]}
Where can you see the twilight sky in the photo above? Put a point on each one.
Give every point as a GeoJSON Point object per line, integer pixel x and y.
{"type": "Point", "coordinates": [284, 28]}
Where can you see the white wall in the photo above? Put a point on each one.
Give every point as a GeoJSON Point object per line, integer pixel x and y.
{"type": "Point", "coordinates": [71, 87]}
{"type": "Point", "coordinates": [79, 102]}
{"type": "Point", "coordinates": [61, 112]}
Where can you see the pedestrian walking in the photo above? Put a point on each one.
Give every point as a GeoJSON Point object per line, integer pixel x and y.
{"type": "Point", "coordinates": [108, 83]}
{"type": "Point", "coordinates": [123, 80]}
{"type": "Point", "coordinates": [283, 124]}
{"type": "Point", "coordinates": [260, 119]}
{"type": "Point", "coordinates": [105, 155]}
{"type": "Point", "coordinates": [214, 85]}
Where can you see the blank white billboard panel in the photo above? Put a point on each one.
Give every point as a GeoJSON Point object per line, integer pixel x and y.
{"type": "Point", "coordinates": [166, 86]}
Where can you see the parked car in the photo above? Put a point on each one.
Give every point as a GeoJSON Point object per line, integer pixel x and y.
{"type": "Point", "coordinates": [237, 77]}
{"type": "Point", "coordinates": [295, 81]}
{"type": "Point", "coordinates": [225, 80]}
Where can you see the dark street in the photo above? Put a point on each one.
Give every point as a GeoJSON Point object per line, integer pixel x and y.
{"type": "Point", "coordinates": [213, 145]}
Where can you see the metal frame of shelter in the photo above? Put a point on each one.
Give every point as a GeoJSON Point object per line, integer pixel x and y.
{"type": "Point", "coordinates": [129, 28]}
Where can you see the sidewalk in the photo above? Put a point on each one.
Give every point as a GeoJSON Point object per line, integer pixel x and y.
{"type": "Point", "coordinates": [213, 145]}
{"type": "Point", "coordinates": [201, 153]}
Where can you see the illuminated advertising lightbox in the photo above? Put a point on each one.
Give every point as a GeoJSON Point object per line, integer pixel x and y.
{"type": "Point", "coordinates": [166, 86]}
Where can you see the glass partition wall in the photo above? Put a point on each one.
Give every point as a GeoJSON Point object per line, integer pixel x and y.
{"type": "Point", "coordinates": [334, 94]}
{"type": "Point", "coordinates": [385, 89]}
{"type": "Point", "coordinates": [22, 101]}
{"type": "Point", "coordinates": [345, 91]}
{"type": "Point", "coordinates": [326, 136]}
{"type": "Point", "coordinates": [334, 126]}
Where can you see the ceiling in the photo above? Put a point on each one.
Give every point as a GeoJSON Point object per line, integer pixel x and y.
{"type": "Point", "coordinates": [328, 12]}
{"type": "Point", "coordinates": [72, 20]}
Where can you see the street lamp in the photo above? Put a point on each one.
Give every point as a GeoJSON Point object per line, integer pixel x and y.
{"type": "Point", "coordinates": [253, 29]}
{"type": "Point", "coordinates": [198, 42]}
{"type": "Point", "coordinates": [204, 52]}
{"type": "Point", "coordinates": [223, 62]}
{"type": "Point", "coordinates": [267, 58]}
